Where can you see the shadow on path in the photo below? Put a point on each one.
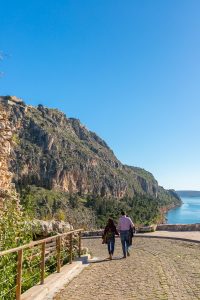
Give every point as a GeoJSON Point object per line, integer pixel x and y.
{"type": "Point", "coordinates": [96, 260]}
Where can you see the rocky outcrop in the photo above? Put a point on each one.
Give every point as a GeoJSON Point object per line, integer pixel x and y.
{"type": "Point", "coordinates": [7, 188]}
{"type": "Point", "coordinates": [56, 152]}
{"type": "Point", "coordinates": [42, 228]}
{"type": "Point", "coordinates": [11, 100]}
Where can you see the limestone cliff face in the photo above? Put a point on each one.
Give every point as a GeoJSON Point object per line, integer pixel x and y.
{"type": "Point", "coordinates": [7, 188]}
{"type": "Point", "coordinates": [57, 152]}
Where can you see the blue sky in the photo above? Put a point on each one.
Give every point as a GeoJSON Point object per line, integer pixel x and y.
{"type": "Point", "coordinates": [129, 70]}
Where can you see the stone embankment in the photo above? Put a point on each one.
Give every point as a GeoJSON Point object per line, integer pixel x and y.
{"type": "Point", "coordinates": [179, 227]}
{"type": "Point", "coordinates": [153, 228]}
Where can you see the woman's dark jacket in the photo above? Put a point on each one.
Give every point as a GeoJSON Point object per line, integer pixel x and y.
{"type": "Point", "coordinates": [109, 232]}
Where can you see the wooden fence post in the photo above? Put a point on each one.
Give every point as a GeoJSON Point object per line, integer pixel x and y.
{"type": "Point", "coordinates": [70, 248]}
{"type": "Point", "coordinates": [43, 263]}
{"type": "Point", "coordinates": [19, 274]}
{"type": "Point", "coordinates": [58, 247]}
{"type": "Point", "coordinates": [79, 240]}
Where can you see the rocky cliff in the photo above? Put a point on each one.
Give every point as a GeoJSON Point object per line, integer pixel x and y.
{"type": "Point", "coordinates": [7, 188]}
{"type": "Point", "coordinates": [56, 152]}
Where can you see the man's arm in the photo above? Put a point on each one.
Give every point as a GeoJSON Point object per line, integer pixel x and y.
{"type": "Point", "coordinates": [116, 231]}
{"type": "Point", "coordinates": [131, 223]}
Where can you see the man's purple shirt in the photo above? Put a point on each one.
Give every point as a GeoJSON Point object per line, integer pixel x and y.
{"type": "Point", "coordinates": [125, 223]}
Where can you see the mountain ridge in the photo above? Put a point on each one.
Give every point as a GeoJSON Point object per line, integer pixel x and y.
{"type": "Point", "coordinates": [188, 193]}
{"type": "Point", "coordinates": [58, 153]}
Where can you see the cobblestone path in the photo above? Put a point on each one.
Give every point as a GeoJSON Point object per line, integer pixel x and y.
{"type": "Point", "coordinates": [156, 269]}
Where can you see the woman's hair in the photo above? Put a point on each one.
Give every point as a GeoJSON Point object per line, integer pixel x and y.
{"type": "Point", "coordinates": [110, 222]}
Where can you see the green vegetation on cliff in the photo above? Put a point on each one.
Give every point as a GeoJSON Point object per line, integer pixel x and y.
{"type": "Point", "coordinates": [90, 211]}
{"type": "Point", "coordinates": [47, 204]}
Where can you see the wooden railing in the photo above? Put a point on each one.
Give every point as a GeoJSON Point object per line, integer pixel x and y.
{"type": "Point", "coordinates": [61, 245]}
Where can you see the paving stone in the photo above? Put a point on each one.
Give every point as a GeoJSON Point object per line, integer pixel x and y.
{"type": "Point", "coordinates": [157, 269]}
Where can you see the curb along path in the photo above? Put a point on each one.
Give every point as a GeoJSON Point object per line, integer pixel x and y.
{"type": "Point", "coordinates": [157, 269]}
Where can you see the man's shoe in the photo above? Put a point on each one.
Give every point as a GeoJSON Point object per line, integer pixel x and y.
{"type": "Point", "coordinates": [128, 253]}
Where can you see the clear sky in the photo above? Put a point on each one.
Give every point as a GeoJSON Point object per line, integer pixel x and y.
{"type": "Point", "coordinates": [129, 70]}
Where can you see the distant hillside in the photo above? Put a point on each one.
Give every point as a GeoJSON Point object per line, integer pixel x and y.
{"type": "Point", "coordinates": [52, 152]}
{"type": "Point", "coordinates": [188, 193]}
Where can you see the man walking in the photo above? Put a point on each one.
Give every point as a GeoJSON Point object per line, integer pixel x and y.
{"type": "Point", "coordinates": [124, 225]}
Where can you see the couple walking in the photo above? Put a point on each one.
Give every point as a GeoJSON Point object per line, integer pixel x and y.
{"type": "Point", "coordinates": [125, 227]}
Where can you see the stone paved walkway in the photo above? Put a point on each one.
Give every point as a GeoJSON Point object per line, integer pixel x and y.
{"type": "Point", "coordinates": [157, 269]}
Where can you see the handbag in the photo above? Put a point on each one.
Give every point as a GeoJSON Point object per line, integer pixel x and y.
{"type": "Point", "coordinates": [104, 239]}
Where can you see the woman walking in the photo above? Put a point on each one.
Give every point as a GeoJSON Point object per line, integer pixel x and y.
{"type": "Point", "coordinates": [109, 236]}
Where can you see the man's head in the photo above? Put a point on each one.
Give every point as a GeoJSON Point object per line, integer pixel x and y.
{"type": "Point", "coordinates": [123, 213]}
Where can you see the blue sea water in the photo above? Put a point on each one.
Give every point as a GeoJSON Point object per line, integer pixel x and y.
{"type": "Point", "coordinates": [187, 213]}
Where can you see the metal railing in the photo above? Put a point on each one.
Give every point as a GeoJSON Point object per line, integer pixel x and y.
{"type": "Point", "coordinates": [32, 262]}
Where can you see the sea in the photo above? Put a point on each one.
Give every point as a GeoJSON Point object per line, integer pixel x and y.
{"type": "Point", "coordinates": [187, 213]}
